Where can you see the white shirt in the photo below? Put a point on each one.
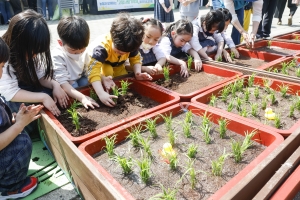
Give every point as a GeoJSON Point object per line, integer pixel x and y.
{"type": "Point", "coordinates": [165, 45]}
{"type": "Point", "coordinates": [67, 69]}
{"type": "Point", "coordinates": [228, 39]}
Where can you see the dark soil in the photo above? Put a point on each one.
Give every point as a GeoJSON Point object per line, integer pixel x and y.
{"type": "Point", "coordinates": [297, 197]}
{"type": "Point", "coordinates": [206, 184]}
{"type": "Point", "coordinates": [282, 107]}
{"type": "Point", "coordinates": [246, 61]}
{"type": "Point", "coordinates": [277, 50]}
{"type": "Point", "coordinates": [92, 120]}
{"type": "Point", "coordinates": [194, 82]}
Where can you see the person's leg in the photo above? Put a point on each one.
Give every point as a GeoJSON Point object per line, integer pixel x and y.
{"type": "Point", "coordinates": [8, 12]}
{"type": "Point", "coordinates": [264, 10]}
{"type": "Point", "coordinates": [84, 7]}
{"type": "Point", "coordinates": [293, 8]}
{"type": "Point", "coordinates": [83, 81]}
{"type": "Point", "coordinates": [280, 7]}
{"type": "Point", "coordinates": [235, 34]}
{"type": "Point", "coordinates": [3, 11]}
{"type": "Point", "coordinates": [16, 6]}
{"type": "Point", "coordinates": [267, 23]}
{"type": "Point", "coordinates": [43, 4]}
{"type": "Point", "coordinates": [50, 8]}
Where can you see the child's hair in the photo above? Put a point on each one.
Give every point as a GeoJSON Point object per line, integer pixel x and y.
{"type": "Point", "coordinates": [181, 27]}
{"type": "Point", "coordinates": [4, 55]}
{"type": "Point", "coordinates": [153, 22]}
{"type": "Point", "coordinates": [212, 19]}
{"type": "Point", "coordinates": [127, 33]}
{"type": "Point", "coordinates": [74, 32]}
{"type": "Point", "coordinates": [227, 15]}
{"type": "Point", "coordinates": [28, 38]}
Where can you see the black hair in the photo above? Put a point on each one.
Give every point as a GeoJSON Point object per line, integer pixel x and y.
{"type": "Point", "coordinates": [212, 19]}
{"type": "Point", "coordinates": [227, 15]}
{"type": "Point", "coordinates": [74, 32]}
{"type": "Point", "coordinates": [181, 27]}
{"type": "Point", "coordinates": [28, 38]}
{"type": "Point", "coordinates": [154, 23]}
{"type": "Point", "coordinates": [127, 33]}
{"type": "Point", "coordinates": [4, 55]}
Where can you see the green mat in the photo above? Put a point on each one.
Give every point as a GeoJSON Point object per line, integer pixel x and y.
{"type": "Point", "coordinates": [43, 166]}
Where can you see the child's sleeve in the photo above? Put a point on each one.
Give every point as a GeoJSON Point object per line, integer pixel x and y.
{"type": "Point", "coordinates": [94, 69]}
{"type": "Point", "coordinates": [8, 83]}
{"type": "Point", "coordinates": [165, 45]}
{"type": "Point", "coordinates": [194, 42]}
{"type": "Point", "coordinates": [218, 37]}
{"type": "Point", "coordinates": [186, 47]}
{"type": "Point", "coordinates": [228, 40]}
{"type": "Point", "coordinates": [135, 58]}
{"type": "Point", "coordinates": [158, 52]}
{"type": "Point", "coordinates": [257, 10]}
{"type": "Point", "coordinates": [60, 71]}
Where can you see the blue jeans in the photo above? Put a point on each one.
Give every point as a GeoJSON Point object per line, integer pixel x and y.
{"type": "Point", "coordinates": [217, 4]}
{"type": "Point", "coordinates": [5, 10]}
{"type": "Point", "coordinates": [83, 81]}
{"type": "Point", "coordinates": [235, 34]}
{"type": "Point", "coordinates": [50, 7]}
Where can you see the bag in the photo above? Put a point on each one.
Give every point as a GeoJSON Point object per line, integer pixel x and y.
{"type": "Point", "coordinates": [296, 2]}
{"type": "Point", "coordinates": [64, 13]}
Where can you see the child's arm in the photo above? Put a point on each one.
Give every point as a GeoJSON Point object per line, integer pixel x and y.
{"type": "Point", "coordinates": [219, 50]}
{"type": "Point", "coordinates": [197, 60]}
{"type": "Point", "coordinates": [23, 118]}
{"type": "Point", "coordinates": [135, 62]}
{"type": "Point", "coordinates": [194, 42]}
{"type": "Point", "coordinates": [228, 40]}
{"type": "Point", "coordinates": [104, 97]}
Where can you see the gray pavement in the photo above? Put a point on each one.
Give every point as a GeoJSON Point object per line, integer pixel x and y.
{"type": "Point", "coordinates": [100, 25]}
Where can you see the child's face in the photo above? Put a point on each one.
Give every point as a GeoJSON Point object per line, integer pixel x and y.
{"type": "Point", "coordinates": [151, 36]}
{"type": "Point", "coordinates": [71, 50]}
{"type": "Point", "coordinates": [1, 69]}
{"type": "Point", "coordinates": [118, 51]}
{"type": "Point", "coordinates": [180, 40]}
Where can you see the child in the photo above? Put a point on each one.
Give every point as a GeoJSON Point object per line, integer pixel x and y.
{"type": "Point", "coordinates": [71, 59]}
{"type": "Point", "coordinates": [15, 145]}
{"type": "Point", "coordinates": [206, 37]}
{"type": "Point", "coordinates": [28, 72]}
{"type": "Point", "coordinates": [151, 52]}
{"type": "Point", "coordinates": [124, 40]}
{"type": "Point", "coordinates": [175, 45]}
{"type": "Point", "coordinates": [163, 11]}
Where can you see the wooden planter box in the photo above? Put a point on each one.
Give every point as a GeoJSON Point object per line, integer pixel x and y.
{"type": "Point", "coordinates": [246, 187]}
{"type": "Point", "coordinates": [204, 99]}
{"type": "Point", "coordinates": [210, 69]}
{"type": "Point", "coordinates": [160, 95]}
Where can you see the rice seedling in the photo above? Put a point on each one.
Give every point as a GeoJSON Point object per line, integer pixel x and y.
{"type": "Point", "coordinates": [254, 109]}
{"type": "Point", "coordinates": [173, 161]}
{"type": "Point", "coordinates": [296, 37]}
{"type": "Point", "coordinates": [75, 118]}
{"type": "Point", "coordinates": [247, 143]}
{"type": "Point", "coordinates": [166, 72]}
{"type": "Point", "coordinates": [116, 92]}
{"type": "Point", "coordinates": [206, 133]}
{"type": "Point", "coordinates": [272, 97]}
{"type": "Point", "coordinates": [284, 89]}
{"type": "Point", "coordinates": [224, 93]}
{"type": "Point", "coordinates": [168, 121]}
{"type": "Point", "coordinates": [297, 102]}
{"type": "Point", "coordinates": [237, 151]}
{"type": "Point", "coordinates": [213, 100]}
{"type": "Point", "coordinates": [126, 164]}
{"type": "Point", "coordinates": [232, 56]}
{"type": "Point", "coordinates": [223, 123]}
{"type": "Point", "coordinates": [284, 68]}
{"type": "Point", "coordinates": [230, 105]}
{"type": "Point", "coordinates": [269, 43]}
{"type": "Point", "coordinates": [240, 84]}
{"type": "Point", "coordinates": [75, 105]}
{"type": "Point", "coordinates": [239, 103]}
{"type": "Point", "coordinates": [217, 165]}
{"type": "Point", "coordinates": [189, 62]}
{"type": "Point", "coordinates": [292, 110]}
{"type": "Point", "coordinates": [264, 103]}
{"type": "Point", "coordinates": [192, 173]}
{"type": "Point", "coordinates": [205, 119]}
{"type": "Point", "coordinates": [234, 88]}
{"type": "Point", "coordinates": [256, 92]}
{"type": "Point", "coordinates": [298, 72]}
{"type": "Point", "coordinates": [146, 146]}
{"type": "Point", "coordinates": [189, 117]}
{"type": "Point", "coordinates": [251, 80]}
{"type": "Point", "coordinates": [267, 84]}
{"type": "Point", "coordinates": [135, 135]}
{"type": "Point", "coordinates": [293, 63]}
{"type": "Point", "coordinates": [109, 145]}
{"type": "Point", "coordinates": [124, 87]}
{"type": "Point", "coordinates": [151, 126]}
{"type": "Point", "coordinates": [144, 166]}
{"type": "Point", "coordinates": [244, 112]}
{"type": "Point", "coordinates": [277, 121]}
{"type": "Point", "coordinates": [219, 59]}
{"type": "Point", "coordinates": [192, 151]}
{"type": "Point", "coordinates": [246, 94]}
{"type": "Point", "coordinates": [275, 70]}
{"type": "Point", "coordinates": [172, 135]}
{"type": "Point", "coordinates": [186, 129]}
{"type": "Point", "coordinates": [93, 95]}
{"type": "Point", "coordinates": [167, 194]}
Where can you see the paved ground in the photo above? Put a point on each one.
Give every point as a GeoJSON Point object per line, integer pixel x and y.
{"type": "Point", "coordinates": [100, 24]}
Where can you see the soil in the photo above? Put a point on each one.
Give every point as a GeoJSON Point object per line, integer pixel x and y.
{"type": "Point", "coordinates": [246, 61]}
{"type": "Point", "coordinates": [282, 107]}
{"type": "Point", "coordinates": [206, 184]}
{"type": "Point", "coordinates": [91, 120]}
{"type": "Point", "coordinates": [297, 197]}
{"type": "Point", "coordinates": [194, 82]}
{"type": "Point", "coordinates": [291, 71]}
{"type": "Point", "coordinates": [277, 50]}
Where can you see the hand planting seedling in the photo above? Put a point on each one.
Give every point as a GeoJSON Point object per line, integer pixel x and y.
{"type": "Point", "coordinates": [251, 80]}
{"type": "Point", "coordinates": [168, 121]}
{"type": "Point", "coordinates": [192, 151]}
{"type": "Point", "coordinates": [269, 43]}
{"type": "Point", "coordinates": [256, 92]}
{"type": "Point", "coordinates": [219, 59]}
{"type": "Point", "coordinates": [232, 56]}
{"type": "Point", "coordinates": [237, 151]}
{"type": "Point", "coordinates": [151, 126]}
{"type": "Point", "coordinates": [186, 129]}
{"type": "Point", "coordinates": [223, 123]}
{"type": "Point", "coordinates": [172, 135]}
{"type": "Point", "coordinates": [116, 92]}
{"type": "Point", "coordinates": [230, 105]}
{"type": "Point", "coordinates": [189, 61]}
{"type": "Point", "coordinates": [144, 166]}
{"type": "Point", "coordinates": [213, 100]}
{"type": "Point", "coordinates": [126, 164]}
{"type": "Point", "coordinates": [284, 89]}
{"type": "Point", "coordinates": [93, 95]}
{"type": "Point", "coordinates": [254, 109]}
{"type": "Point", "coordinates": [146, 146]}
{"type": "Point", "coordinates": [110, 143]}
{"type": "Point", "coordinates": [166, 72]}
{"type": "Point", "coordinates": [124, 87]}
{"type": "Point", "coordinates": [206, 133]}
{"type": "Point", "coordinates": [135, 135]}
{"type": "Point", "coordinates": [217, 165]}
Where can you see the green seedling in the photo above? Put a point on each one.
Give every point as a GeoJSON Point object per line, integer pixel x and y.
{"type": "Point", "coordinates": [206, 133]}
{"type": "Point", "coordinates": [173, 161]}
{"type": "Point", "coordinates": [75, 105]}
{"type": "Point", "coordinates": [186, 129]}
{"type": "Point", "coordinates": [232, 56]}
{"type": "Point", "coordinates": [213, 100]}
{"type": "Point", "coordinates": [93, 95]}
{"type": "Point", "coordinates": [298, 72]}
{"type": "Point", "coordinates": [239, 103]}
{"type": "Point", "coordinates": [223, 123]}
{"type": "Point", "coordinates": [240, 84]}
{"type": "Point", "coordinates": [269, 43]}
{"type": "Point", "coordinates": [217, 165]}
{"type": "Point", "coordinates": [146, 146]}
{"type": "Point", "coordinates": [284, 89]}
{"type": "Point", "coordinates": [275, 70]}
{"type": "Point", "coordinates": [296, 37]}
{"type": "Point", "coordinates": [264, 103]}
{"type": "Point", "coordinates": [192, 151]}
{"type": "Point", "coordinates": [189, 117]}
{"type": "Point", "coordinates": [256, 92]}
{"type": "Point", "coordinates": [168, 121]}
{"type": "Point", "coordinates": [189, 61]}
{"type": "Point", "coordinates": [192, 173]}
{"type": "Point", "coordinates": [247, 94]}
{"type": "Point", "coordinates": [219, 59]}
{"type": "Point", "coordinates": [292, 110]}
{"type": "Point", "coordinates": [285, 68]}
{"type": "Point", "coordinates": [230, 105]}
{"type": "Point", "coordinates": [75, 118]}
{"type": "Point", "coordinates": [109, 145]}
{"type": "Point", "coordinates": [144, 166]}
{"type": "Point", "coordinates": [126, 164]}
{"type": "Point", "coordinates": [135, 135]}
{"type": "Point", "coordinates": [248, 142]}
{"type": "Point", "coordinates": [254, 109]}
{"type": "Point", "coordinates": [237, 151]}
{"type": "Point", "coordinates": [251, 80]}
{"type": "Point", "coordinates": [224, 93]}
{"type": "Point", "coordinates": [244, 112]}
{"type": "Point", "coordinates": [293, 63]}
{"type": "Point", "coordinates": [205, 119]}
{"type": "Point", "coordinates": [172, 135]}
{"type": "Point", "coordinates": [272, 97]}
{"type": "Point", "coordinates": [116, 92]}
{"type": "Point", "coordinates": [151, 126]}
{"type": "Point", "coordinates": [166, 72]}
{"type": "Point", "coordinates": [277, 121]}
{"type": "Point", "coordinates": [267, 84]}
{"type": "Point", "coordinates": [167, 194]}
{"type": "Point", "coordinates": [297, 102]}
{"type": "Point", "coordinates": [234, 88]}
{"type": "Point", "coordinates": [124, 87]}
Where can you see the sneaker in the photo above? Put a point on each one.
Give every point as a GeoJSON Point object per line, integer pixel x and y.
{"type": "Point", "coordinates": [28, 186]}
{"type": "Point", "coordinates": [290, 21]}
{"type": "Point", "coordinates": [279, 23]}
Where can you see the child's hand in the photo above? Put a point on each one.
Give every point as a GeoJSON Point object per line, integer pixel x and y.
{"type": "Point", "coordinates": [107, 82]}
{"type": "Point", "coordinates": [107, 99]}
{"type": "Point", "coordinates": [227, 56]}
{"type": "Point", "coordinates": [89, 102]}
{"type": "Point", "coordinates": [235, 51]}
{"type": "Point", "coordinates": [183, 71]}
{"type": "Point", "coordinates": [152, 70]}
{"type": "Point", "coordinates": [60, 95]}
{"type": "Point", "coordinates": [51, 105]}
{"type": "Point", "coordinates": [27, 114]}
{"type": "Point", "coordinates": [143, 77]}
{"type": "Point", "coordinates": [198, 65]}
{"type": "Point", "coordinates": [217, 56]}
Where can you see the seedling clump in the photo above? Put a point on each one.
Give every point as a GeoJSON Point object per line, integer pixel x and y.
{"type": "Point", "coordinates": [189, 61]}
{"type": "Point", "coordinates": [135, 135]}
{"type": "Point", "coordinates": [224, 93]}
{"type": "Point", "coordinates": [284, 89]}
{"type": "Point", "coordinates": [256, 92]}
{"type": "Point", "coordinates": [172, 135]}
{"type": "Point", "coordinates": [124, 87]}
{"type": "Point", "coordinates": [264, 103]}
{"type": "Point", "coordinates": [247, 143]}
{"type": "Point", "coordinates": [219, 59]}
{"type": "Point", "coordinates": [192, 151]}
{"type": "Point", "coordinates": [236, 150]}
{"type": "Point", "coordinates": [189, 117]}
{"type": "Point", "coordinates": [223, 123]}
{"type": "Point", "coordinates": [254, 109]}
{"type": "Point", "coordinates": [126, 164]}
{"type": "Point", "coordinates": [217, 165]}
{"type": "Point", "coordinates": [166, 72]}
{"type": "Point", "coordinates": [144, 166]}
{"type": "Point", "coordinates": [151, 126]}
{"type": "Point", "coordinates": [206, 133]}
{"type": "Point", "coordinates": [272, 97]}
{"type": "Point", "coordinates": [298, 72]}
{"type": "Point", "coordinates": [232, 55]}
{"type": "Point", "coordinates": [251, 80]}
{"type": "Point", "coordinates": [146, 146]}
{"type": "Point", "coordinates": [230, 105]}
{"type": "Point", "coordinates": [168, 121]}
{"type": "Point", "coordinates": [173, 161]}
{"type": "Point", "coordinates": [277, 121]}
{"type": "Point", "coordinates": [213, 100]}
{"type": "Point", "coordinates": [292, 110]}
{"type": "Point", "coordinates": [247, 94]}
{"type": "Point", "coordinates": [110, 143]}
{"type": "Point", "coordinates": [239, 103]}
{"type": "Point", "coordinates": [93, 95]}
{"type": "Point", "coordinates": [244, 112]}
{"type": "Point", "coordinates": [116, 92]}
{"type": "Point", "coordinates": [74, 115]}
{"type": "Point", "coordinates": [186, 129]}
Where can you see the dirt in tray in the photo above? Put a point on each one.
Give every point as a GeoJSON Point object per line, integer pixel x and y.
{"type": "Point", "coordinates": [277, 50]}
{"type": "Point", "coordinates": [91, 120]}
{"type": "Point", "coordinates": [194, 82]}
{"type": "Point", "coordinates": [206, 183]}
{"type": "Point", "coordinates": [246, 61]}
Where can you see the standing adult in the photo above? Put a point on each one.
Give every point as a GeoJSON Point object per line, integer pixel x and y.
{"type": "Point", "coordinates": [49, 5]}
{"type": "Point", "coordinates": [16, 6]}
{"type": "Point", "coordinates": [189, 9]}
{"type": "Point", "coordinates": [5, 11]}
{"type": "Point", "coordinates": [163, 11]}
{"type": "Point", "coordinates": [280, 8]}
{"type": "Point", "coordinates": [32, 4]}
